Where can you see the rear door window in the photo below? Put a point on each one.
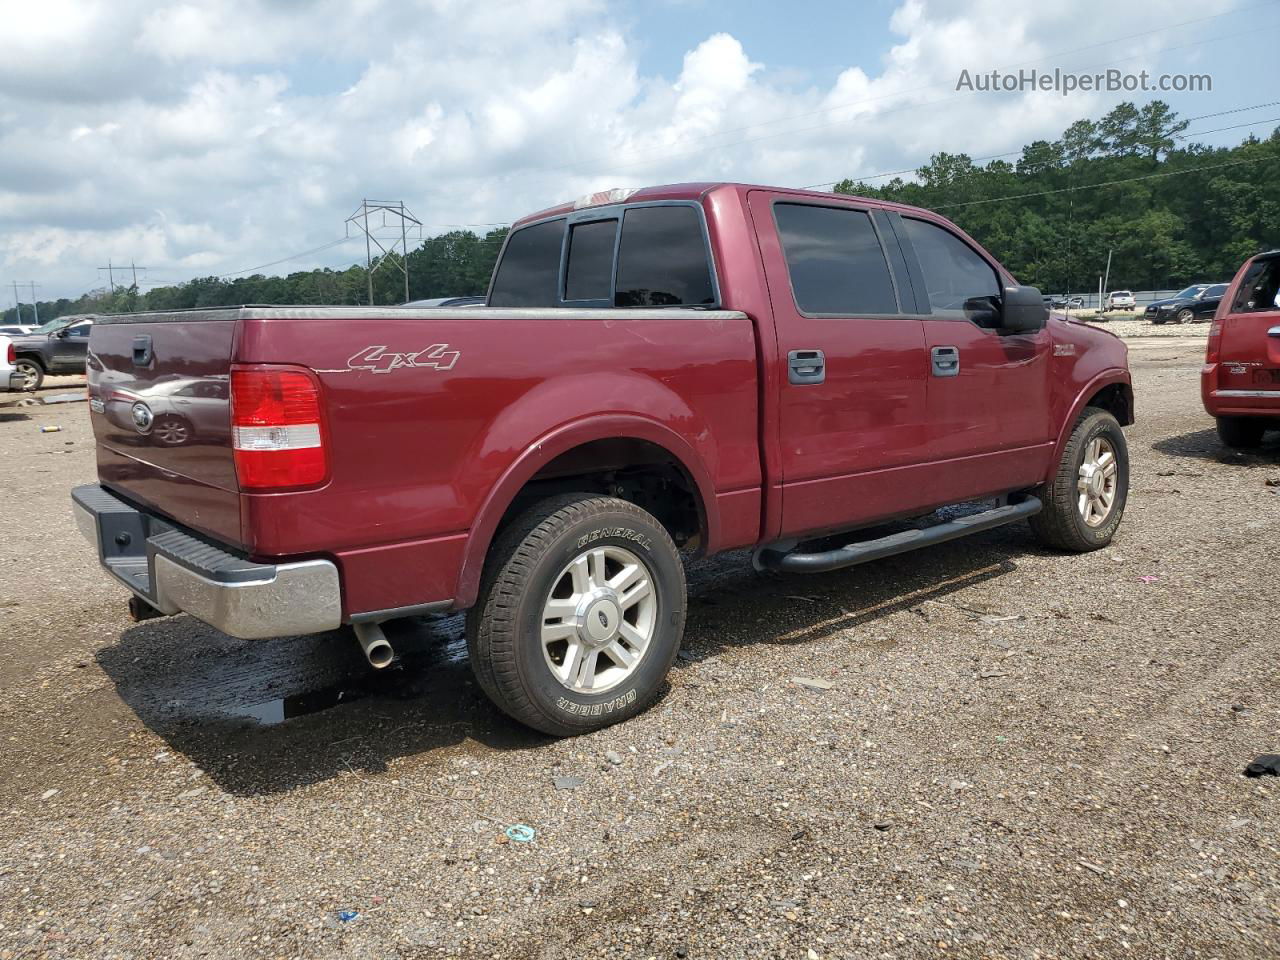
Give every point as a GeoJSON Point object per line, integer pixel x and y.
{"type": "Point", "coordinates": [663, 259]}
{"type": "Point", "coordinates": [835, 261]}
{"type": "Point", "coordinates": [529, 272]}
{"type": "Point", "coordinates": [1260, 289]}
{"type": "Point", "coordinates": [589, 273]}
{"type": "Point", "coordinates": [953, 271]}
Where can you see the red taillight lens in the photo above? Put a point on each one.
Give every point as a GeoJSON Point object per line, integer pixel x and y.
{"type": "Point", "coordinates": [13, 354]}
{"type": "Point", "coordinates": [277, 431]}
{"type": "Point", "coordinates": [1215, 341]}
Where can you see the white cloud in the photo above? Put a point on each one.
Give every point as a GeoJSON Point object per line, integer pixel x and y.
{"type": "Point", "coordinates": [208, 136]}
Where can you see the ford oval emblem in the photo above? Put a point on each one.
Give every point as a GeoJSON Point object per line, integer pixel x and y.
{"type": "Point", "coordinates": [143, 418]}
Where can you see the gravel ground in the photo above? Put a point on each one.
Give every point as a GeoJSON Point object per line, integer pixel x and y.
{"type": "Point", "coordinates": [1021, 754]}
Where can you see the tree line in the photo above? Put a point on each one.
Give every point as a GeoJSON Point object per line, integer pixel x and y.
{"type": "Point", "coordinates": [1134, 183]}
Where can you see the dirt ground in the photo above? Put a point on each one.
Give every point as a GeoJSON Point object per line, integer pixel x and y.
{"type": "Point", "coordinates": [1021, 754]}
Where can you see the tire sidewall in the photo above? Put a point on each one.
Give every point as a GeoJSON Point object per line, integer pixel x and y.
{"type": "Point", "coordinates": [647, 540]}
{"type": "Point", "coordinates": [37, 375]}
{"type": "Point", "coordinates": [1101, 426]}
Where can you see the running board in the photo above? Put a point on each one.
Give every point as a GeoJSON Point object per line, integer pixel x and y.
{"type": "Point", "coordinates": [867, 550]}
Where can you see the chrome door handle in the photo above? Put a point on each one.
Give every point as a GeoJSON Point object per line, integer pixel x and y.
{"type": "Point", "coordinates": [946, 361]}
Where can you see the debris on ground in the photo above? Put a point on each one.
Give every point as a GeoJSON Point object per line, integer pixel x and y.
{"type": "Point", "coordinates": [613, 757]}
{"type": "Point", "coordinates": [567, 783]}
{"type": "Point", "coordinates": [813, 683]}
{"type": "Point", "coordinates": [1148, 579]}
{"type": "Point", "coordinates": [1093, 868]}
{"type": "Point", "coordinates": [49, 794]}
{"type": "Point", "coordinates": [67, 398]}
{"type": "Point", "coordinates": [346, 916]}
{"type": "Point", "coordinates": [520, 833]}
{"type": "Point", "coordinates": [801, 597]}
{"type": "Point", "coordinates": [54, 428]}
{"type": "Point", "coordinates": [1264, 765]}
{"type": "Point", "coordinates": [1272, 482]}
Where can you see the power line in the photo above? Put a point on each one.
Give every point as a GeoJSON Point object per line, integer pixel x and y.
{"type": "Point", "coordinates": [1107, 183]}
{"type": "Point", "coordinates": [295, 256]}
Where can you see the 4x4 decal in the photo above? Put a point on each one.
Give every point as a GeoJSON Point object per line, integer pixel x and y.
{"type": "Point", "coordinates": [437, 356]}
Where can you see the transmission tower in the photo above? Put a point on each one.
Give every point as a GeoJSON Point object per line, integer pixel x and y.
{"type": "Point", "coordinates": [396, 211]}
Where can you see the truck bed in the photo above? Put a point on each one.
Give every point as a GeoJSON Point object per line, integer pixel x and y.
{"type": "Point", "coordinates": [426, 410]}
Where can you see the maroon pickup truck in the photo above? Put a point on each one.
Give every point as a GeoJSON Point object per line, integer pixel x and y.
{"type": "Point", "coordinates": [696, 368]}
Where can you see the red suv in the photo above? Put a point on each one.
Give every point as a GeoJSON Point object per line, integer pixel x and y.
{"type": "Point", "coordinates": [1240, 380]}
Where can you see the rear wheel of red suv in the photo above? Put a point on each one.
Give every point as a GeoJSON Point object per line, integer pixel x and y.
{"type": "Point", "coordinates": [580, 614]}
{"type": "Point", "coordinates": [1084, 503]}
{"type": "Point", "coordinates": [1242, 432]}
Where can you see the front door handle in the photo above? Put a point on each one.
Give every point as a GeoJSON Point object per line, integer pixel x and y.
{"type": "Point", "coordinates": [946, 361]}
{"type": "Point", "coordinates": [806, 366]}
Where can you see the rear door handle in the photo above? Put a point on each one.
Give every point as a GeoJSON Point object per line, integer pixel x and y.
{"type": "Point", "coordinates": [946, 361]}
{"type": "Point", "coordinates": [806, 366]}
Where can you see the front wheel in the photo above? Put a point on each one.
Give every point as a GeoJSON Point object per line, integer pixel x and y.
{"type": "Point", "coordinates": [580, 614]}
{"type": "Point", "coordinates": [1084, 502]}
{"type": "Point", "coordinates": [1186, 316]}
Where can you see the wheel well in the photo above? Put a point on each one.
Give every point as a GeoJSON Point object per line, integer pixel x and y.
{"type": "Point", "coordinates": [33, 357]}
{"type": "Point", "coordinates": [1117, 400]}
{"type": "Point", "coordinates": [638, 471]}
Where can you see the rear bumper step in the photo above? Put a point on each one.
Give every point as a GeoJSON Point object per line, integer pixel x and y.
{"type": "Point", "coordinates": [867, 550]}
{"type": "Point", "coordinates": [176, 573]}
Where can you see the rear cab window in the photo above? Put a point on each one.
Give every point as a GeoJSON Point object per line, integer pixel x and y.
{"type": "Point", "coordinates": [645, 255]}
{"type": "Point", "coordinates": [1260, 289]}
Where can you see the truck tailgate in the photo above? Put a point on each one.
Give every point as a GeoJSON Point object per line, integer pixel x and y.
{"type": "Point", "coordinates": [159, 392]}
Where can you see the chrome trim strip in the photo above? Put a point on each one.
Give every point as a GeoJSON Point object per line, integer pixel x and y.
{"type": "Point", "coordinates": [1252, 394]}
{"type": "Point", "coordinates": [472, 314]}
{"type": "Point", "coordinates": [1274, 332]}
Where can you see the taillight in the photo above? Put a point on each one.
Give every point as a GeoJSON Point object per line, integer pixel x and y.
{"type": "Point", "coordinates": [1215, 341]}
{"type": "Point", "coordinates": [12, 354]}
{"type": "Point", "coordinates": [277, 432]}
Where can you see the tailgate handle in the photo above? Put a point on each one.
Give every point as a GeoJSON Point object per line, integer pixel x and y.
{"type": "Point", "coordinates": [1274, 332]}
{"type": "Point", "coordinates": [142, 350]}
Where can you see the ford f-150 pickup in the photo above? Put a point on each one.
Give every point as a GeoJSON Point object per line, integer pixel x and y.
{"type": "Point", "coordinates": [692, 368]}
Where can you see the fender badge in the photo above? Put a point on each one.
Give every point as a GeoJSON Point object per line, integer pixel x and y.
{"type": "Point", "coordinates": [438, 356]}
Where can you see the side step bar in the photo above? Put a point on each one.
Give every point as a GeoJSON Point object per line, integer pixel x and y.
{"type": "Point", "coordinates": [866, 550]}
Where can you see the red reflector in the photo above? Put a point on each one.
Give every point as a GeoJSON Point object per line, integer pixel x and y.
{"type": "Point", "coordinates": [277, 430]}
{"type": "Point", "coordinates": [13, 354]}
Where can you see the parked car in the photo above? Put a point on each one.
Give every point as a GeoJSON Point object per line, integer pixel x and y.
{"type": "Point", "coordinates": [1075, 303]}
{"type": "Point", "coordinates": [448, 302]}
{"type": "Point", "coordinates": [1120, 300]}
{"type": "Point", "coordinates": [698, 368]}
{"type": "Point", "coordinates": [1152, 309]}
{"type": "Point", "coordinates": [10, 378]}
{"type": "Point", "coordinates": [1240, 379]}
{"type": "Point", "coordinates": [1199, 306]}
{"type": "Point", "coordinates": [59, 347]}
{"type": "Point", "coordinates": [16, 330]}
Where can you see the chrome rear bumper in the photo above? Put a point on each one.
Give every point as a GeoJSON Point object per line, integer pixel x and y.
{"type": "Point", "coordinates": [178, 573]}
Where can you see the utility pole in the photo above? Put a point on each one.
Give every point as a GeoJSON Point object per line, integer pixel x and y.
{"type": "Point", "coordinates": [395, 208]}
{"type": "Point", "coordinates": [111, 276]}
{"type": "Point", "coordinates": [1107, 276]}
{"type": "Point", "coordinates": [17, 304]}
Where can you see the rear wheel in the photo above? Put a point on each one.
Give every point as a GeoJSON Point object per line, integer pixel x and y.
{"type": "Point", "coordinates": [1241, 432]}
{"type": "Point", "coordinates": [32, 373]}
{"type": "Point", "coordinates": [1084, 503]}
{"type": "Point", "coordinates": [580, 614]}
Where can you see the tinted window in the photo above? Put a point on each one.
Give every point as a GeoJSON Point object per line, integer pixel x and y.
{"type": "Point", "coordinates": [662, 259]}
{"type": "Point", "coordinates": [953, 271]}
{"type": "Point", "coordinates": [530, 268]}
{"type": "Point", "coordinates": [835, 260]}
{"type": "Point", "coordinates": [590, 272]}
{"type": "Point", "coordinates": [1260, 288]}
{"type": "Point", "coordinates": [80, 330]}
{"type": "Point", "coordinates": [1217, 290]}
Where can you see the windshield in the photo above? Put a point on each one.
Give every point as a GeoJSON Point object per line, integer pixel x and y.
{"type": "Point", "coordinates": [1190, 291]}
{"type": "Point", "coordinates": [57, 323]}
{"type": "Point", "coordinates": [1122, 293]}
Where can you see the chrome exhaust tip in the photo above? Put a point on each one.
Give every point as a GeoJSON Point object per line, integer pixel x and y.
{"type": "Point", "coordinates": [377, 648]}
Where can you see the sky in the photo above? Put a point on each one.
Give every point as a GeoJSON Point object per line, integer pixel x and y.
{"type": "Point", "coordinates": [213, 137]}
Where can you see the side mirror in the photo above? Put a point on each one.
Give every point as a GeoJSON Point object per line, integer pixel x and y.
{"type": "Point", "coordinates": [60, 334]}
{"type": "Point", "coordinates": [1023, 310]}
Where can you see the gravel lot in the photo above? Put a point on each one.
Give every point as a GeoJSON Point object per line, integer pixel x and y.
{"type": "Point", "coordinates": [1021, 754]}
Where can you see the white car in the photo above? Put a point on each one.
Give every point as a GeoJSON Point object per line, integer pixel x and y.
{"type": "Point", "coordinates": [10, 378]}
{"type": "Point", "coordinates": [1121, 300]}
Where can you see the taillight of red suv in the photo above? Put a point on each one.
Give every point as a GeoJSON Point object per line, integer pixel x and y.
{"type": "Point", "coordinates": [278, 432]}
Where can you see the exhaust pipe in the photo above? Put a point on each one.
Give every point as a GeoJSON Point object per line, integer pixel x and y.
{"type": "Point", "coordinates": [140, 610]}
{"type": "Point", "coordinates": [377, 648]}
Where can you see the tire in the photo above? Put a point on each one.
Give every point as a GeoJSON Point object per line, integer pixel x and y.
{"type": "Point", "coordinates": [1186, 316]}
{"type": "Point", "coordinates": [1062, 523]}
{"type": "Point", "coordinates": [551, 553]}
{"type": "Point", "coordinates": [1157, 320]}
{"type": "Point", "coordinates": [1242, 433]}
{"type": "Point", "coordinates": [32, 371]}
{"type": "Point", "coordinates": [171, 431]}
